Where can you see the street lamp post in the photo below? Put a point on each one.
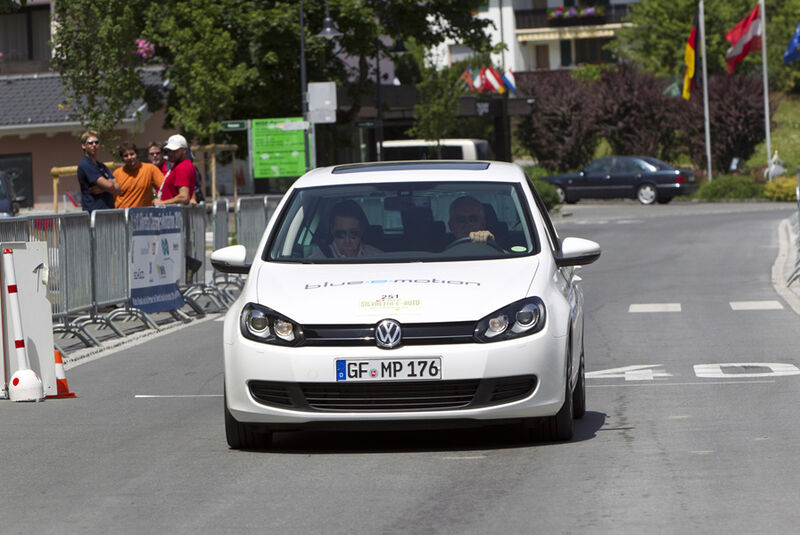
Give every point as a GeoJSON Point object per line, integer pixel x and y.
{"type": "Point", "coordinates": [329, 31]}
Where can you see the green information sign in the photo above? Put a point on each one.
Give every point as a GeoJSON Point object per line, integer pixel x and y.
{"type": "Point", "coordinates": [278, 147]}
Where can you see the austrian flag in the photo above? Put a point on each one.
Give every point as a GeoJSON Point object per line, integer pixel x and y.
{"type": "Point", "coordinates": [744, 37]}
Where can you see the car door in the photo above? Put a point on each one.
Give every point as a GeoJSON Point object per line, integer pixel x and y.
{"type": "Point", "coordinates": [595, 179]}
{"type": "Point", "coordinates": [626, 174]}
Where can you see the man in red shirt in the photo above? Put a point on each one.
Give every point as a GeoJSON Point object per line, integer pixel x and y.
{"type": "Point", "coordinates": [179, 184]}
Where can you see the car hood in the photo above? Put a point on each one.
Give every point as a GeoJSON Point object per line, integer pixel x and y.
{"type": "Point", "coordinates": [419, 292]}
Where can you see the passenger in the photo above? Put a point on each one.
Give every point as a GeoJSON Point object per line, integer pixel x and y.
{"type": "Point", "coordinates": [468, 220]}
{"type": "Point", "coordinates": [347, 225]}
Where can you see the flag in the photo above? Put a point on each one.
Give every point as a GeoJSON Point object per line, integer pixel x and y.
{"type": "Point", "coordinates": [690, 58]}
{"type": "Point", "coordinates": [744, 37]}
{"type": "Point", "coordinates": [477, 81]}
{"type": "Point", "coordinates": [496, 79]}
{"type": "Point", "coordinates": [467, 77]}
{"type": "Point", "coordinates": [486, 83]}
{"type": "Point", "coordinates": [793, 50]}
{"type": "Point", "coordinates": [508, 79]}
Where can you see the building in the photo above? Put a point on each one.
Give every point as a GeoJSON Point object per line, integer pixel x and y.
{"type": "Point", "coordinates": [36, 132]}
{"type": "Point", "coordinates": [546, 35]}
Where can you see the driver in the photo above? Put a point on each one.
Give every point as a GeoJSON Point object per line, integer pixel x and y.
{"type": "Point", "coordinates": [468, 220]}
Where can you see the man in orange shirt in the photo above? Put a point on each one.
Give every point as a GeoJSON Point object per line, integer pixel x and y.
{"type": "Point", "coordinates": [136, 179]}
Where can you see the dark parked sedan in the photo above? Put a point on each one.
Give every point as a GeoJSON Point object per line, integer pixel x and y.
{"type": "Point", "coordinates": [638, 177]}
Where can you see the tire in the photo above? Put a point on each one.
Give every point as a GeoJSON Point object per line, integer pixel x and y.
{"type": "Point", "coordinates": [579, 393]}
{"type": "Point", "coordinates": [664, 200]}
{"type": "Point", "coordinates": [244, 436]}
{"type": "Point", "coordinates": [559, 427]}
{"type": "Point", "coordinates": [647, 194]}
{"type": "Point", "coordinates": [562, 195]}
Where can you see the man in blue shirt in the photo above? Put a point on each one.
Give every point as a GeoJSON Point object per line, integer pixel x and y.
{"type": "Point", "coordinates": [98, 185]}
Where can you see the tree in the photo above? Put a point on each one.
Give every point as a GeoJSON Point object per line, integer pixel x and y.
{"type": "Point", "coordinates": [736, 117]}
{"type": "Point", "coordinates": [657, 39]}
{"type": "Point", "coordinates": [198, 50]}
{"type": "Point", "coordinates": [562, 131]}
{"type": "Point", "coordinates": [98, 64]}
{"type": "Point", "coordinates": [635, 116]}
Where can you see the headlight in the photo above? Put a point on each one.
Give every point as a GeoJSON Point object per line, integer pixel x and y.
{"type": "Point", "coordinates": [517, 319]}
{"type": "Point", "coordinates": [263, 324]}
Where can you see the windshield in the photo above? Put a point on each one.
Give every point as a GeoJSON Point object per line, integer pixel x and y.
{"type": "Point", "coordinates": [403, 222]}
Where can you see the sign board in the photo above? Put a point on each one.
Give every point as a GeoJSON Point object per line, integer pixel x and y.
{"type": "Point", "coordinates": [233, 126]}
{"type": "Point", "coordinates": [156, 260]}
{"type": "Point", "coordinates": [322, 102]}
{"type": "Point", "coordinates": [278, 147]}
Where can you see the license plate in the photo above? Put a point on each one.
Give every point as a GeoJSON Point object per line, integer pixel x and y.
{"type": "Point", "coordinates": [389, 370]}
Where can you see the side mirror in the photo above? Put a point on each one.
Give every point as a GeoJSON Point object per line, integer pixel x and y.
{"type": "Point", "coordinates": [576, 252]}
{"type": "Point", "coordinates": [230, 259]}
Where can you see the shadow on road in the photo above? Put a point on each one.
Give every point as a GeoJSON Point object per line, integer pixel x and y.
{"type": "Point", "coordinates": [473, 439]}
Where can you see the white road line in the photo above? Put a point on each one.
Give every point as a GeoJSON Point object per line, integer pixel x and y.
{"type": "Point", "coordinates": [700, 383]}
{"type": "Point", "coordinates": [655, 307]}
{"type": "Point", "coordinates": [145, 396]}
{"type": "Point", "coordinates": [756, 305]}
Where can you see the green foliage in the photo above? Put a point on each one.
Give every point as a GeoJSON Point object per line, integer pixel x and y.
{"type": "Point", "coordinates": [659, 24]}
{"type": "Point", "coordinates": [781, 189]}
{"type": "Point", "coordinates": [562, 130]}
{"type": "Point", "coordinates": [785, 136]}
{"type": "Point", "coordinates": [10, 6]}
{"type": "Point", "coordinates": [730, 187]}
{"type": "Point", "coordinates": [201, 67]}
{"type": "Point", "coordinates": [547, 192]}
{"type": "Point", "coordinates": [98, 62]}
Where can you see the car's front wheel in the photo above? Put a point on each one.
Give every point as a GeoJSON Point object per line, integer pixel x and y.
{"type": "Point", "coordinates": [647, 194]}
{"type": "Point", "coordinates": [242, 436]}
{"type": "Point", "coordinates": [579, 393]}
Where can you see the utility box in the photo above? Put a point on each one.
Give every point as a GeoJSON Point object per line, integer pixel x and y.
{"type": "Point", "coordinates": [32, 272]}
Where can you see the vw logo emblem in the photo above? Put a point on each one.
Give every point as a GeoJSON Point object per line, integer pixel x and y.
{"type": "Point", "coordinates": [388, 334]}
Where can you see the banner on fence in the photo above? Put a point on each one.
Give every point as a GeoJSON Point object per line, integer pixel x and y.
{"type": "Point", "coordinates": [156, 259]}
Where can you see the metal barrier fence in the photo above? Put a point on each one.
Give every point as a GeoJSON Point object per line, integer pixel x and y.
{"type": "Point", "coordinates": [88, 259]}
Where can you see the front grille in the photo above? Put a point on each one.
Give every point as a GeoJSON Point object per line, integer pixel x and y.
{"type": "Point", "coordinates": [413, 334]}
{"type": "Point", "coordinates": [393, 396]}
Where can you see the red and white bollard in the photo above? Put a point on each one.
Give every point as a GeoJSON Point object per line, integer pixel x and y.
{"type": "Point", "coordinates": [24, 385]}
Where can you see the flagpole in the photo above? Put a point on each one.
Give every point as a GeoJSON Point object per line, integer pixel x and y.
{"type": "Point", "coordinates": [705, 89]}
{"type": "Point", "coordinates": [763, 16]}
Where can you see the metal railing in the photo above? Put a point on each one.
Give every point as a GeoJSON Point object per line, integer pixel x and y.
{"type": "Point", "coordinates": [89, 258]}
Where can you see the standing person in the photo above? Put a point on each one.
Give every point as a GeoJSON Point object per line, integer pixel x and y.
{"type": "Point", "coordinates": [179, 184]}
{"type": "Point", "coordinates": [156, 156]}
{"type": "Point", "coordinates": [98, 185]}
{"type": "Point", "coordinates": [137, 180]}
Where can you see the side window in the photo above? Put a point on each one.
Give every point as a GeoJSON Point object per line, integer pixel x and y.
{"type": "Point", "coordinates": [603, 165]}
{"type": "Point", "coordinates": [552, 235]}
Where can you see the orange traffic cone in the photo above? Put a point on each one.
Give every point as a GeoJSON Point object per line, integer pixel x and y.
{"type": "Point", "coordinates": [61, 380]}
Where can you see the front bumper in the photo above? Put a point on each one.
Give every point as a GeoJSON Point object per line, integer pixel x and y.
{"type": "Point", "coordinates": [296, 387]}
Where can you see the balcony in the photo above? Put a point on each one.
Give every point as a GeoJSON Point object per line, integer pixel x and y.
{"type": "Point", "coordinates": [542, 18]}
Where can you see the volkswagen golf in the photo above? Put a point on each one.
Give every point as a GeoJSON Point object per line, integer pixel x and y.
{"type": "Point", "coordinates": [406, 295]}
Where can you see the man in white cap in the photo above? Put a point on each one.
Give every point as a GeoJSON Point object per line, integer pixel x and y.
{"type": "Point", "coordinates": [179, 184]}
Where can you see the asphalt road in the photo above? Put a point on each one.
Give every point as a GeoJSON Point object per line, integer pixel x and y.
{"type": "Point", "coordinates": [691, 422]}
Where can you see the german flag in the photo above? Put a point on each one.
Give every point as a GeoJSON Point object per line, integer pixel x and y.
{"type": "Point", "coordinates": [690, 57]}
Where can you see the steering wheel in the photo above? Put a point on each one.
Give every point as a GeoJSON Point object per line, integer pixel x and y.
{"type": "Point", "coordinates": [490, 242]}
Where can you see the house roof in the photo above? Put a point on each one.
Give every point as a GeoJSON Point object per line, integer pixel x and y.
{"type": "Point", "coordinates": [33, 103]}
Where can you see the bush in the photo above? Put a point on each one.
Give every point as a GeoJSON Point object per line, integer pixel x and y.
{"type": "Point", "coordinates": [730, 187]}
{"type": "Point", "coordinates": [546, 190]}
{"type": "Point", "coordinates": [781, 189]}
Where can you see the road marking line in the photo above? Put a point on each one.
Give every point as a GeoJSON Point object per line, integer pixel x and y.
{"type": "Point", "coordinates": [702, 452]}
{"type": "Point", "coordinates": [683, 384]}
{"type": "Point", "coordinates": [655, 307]}
{"type": "Point", "coordinates": [756, 305]}
{"type": "Point", "coordinates": [142, 396]}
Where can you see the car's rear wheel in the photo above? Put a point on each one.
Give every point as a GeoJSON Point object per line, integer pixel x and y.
{"type": "Point", "coordinates": [664, 200]}
{"type": "Point", "coordinates": [242, 436]}
{"type": "Point", "coordinates": [647, 194]}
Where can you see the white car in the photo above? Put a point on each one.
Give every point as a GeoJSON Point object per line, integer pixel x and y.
{"type": "Point", "coordinates": [408, 295]}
